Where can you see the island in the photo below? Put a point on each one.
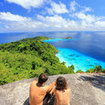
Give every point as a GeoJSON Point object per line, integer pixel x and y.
{"type": "Point", "coordinates": [28, 58]}
{"type": "Point", "coordinates": [68, 38]}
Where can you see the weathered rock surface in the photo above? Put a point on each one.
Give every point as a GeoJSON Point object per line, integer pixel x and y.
{"type": "Point", "coordinates": [87, 89]}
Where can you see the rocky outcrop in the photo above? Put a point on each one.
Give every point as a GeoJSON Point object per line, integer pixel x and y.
{"type": "Point", "coordinates": [87, 89]}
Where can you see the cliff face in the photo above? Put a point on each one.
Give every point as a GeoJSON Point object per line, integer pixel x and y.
{"type": "Point", "coordinates": [87, 89]}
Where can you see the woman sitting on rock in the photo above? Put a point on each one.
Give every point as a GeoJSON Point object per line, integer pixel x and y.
{"type": "Point", "coordinates": [62, 92]}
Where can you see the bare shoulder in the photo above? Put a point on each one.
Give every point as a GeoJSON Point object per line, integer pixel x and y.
{"type": "Point", "coordinates": [34, 82]}
{"type": "Point", "coordinates": [68, 89]}
{"type": "Point", "coordinates": [46, 86]}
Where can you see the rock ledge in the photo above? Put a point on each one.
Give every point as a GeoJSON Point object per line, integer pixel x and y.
{"type": "Point", "coordinates": [87, 89]}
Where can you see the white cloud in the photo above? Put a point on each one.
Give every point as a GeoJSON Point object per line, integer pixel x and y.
{"type": "Point", "coordinates": [28, 3]}
{"type": "Point", "coordinates": [79, 21]}
{"type": "Point", "coordinates": [73, 6]}
{"type": "Point", "coordinates": [100, 23]}
{"type": "Point", "coordinates": [13, 22]}
{"type": "Point", "coordinates": [11, 17]}
{"type": "Point", "coordinates": [57, 8]}
{"type": "Point", "coordinates": [86, 23]}
{"type": "Point", "coordinates": [58, 22]}
{"type": "Point", "coordinates": [90, 22]}
{"type": "Point", "coordinates": [86, 9]}
{"type": "Point", "coordinates": [87, 18]}
{"type": "Point", "coordinates": [84, 19]}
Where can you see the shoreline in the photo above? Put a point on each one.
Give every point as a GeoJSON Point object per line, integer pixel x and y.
{"type": "Point", "coordinates": [64, 56]}
{"type": "Point", "coordinates": [89, 63]}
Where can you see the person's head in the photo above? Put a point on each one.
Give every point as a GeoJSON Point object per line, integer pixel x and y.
{"type": "Point", "coordinates": [61, 83]}
{"type": "Point", "coordinates": [42, 78]}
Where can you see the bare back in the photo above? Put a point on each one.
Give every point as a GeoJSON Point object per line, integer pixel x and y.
{"type": "Point", "coordinates": [37, 94]}
{"type": "Point", "coordinates": [62, 97]}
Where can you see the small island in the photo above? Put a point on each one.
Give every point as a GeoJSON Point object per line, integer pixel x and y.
{"type": "Point", "coordinates": [68, 38]}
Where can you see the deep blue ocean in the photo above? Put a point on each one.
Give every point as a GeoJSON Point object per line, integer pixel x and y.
{"type": "Point", "coordinates": [84, 51]}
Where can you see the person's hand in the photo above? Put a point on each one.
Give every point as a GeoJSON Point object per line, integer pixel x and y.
{"type": "Point", "coordinates": [54, 83]}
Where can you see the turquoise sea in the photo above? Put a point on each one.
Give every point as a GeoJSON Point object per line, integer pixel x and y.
{"type": "Point", "coordinates": [79, 60]}
{"type": "Point", "coordinates": [84, 51]}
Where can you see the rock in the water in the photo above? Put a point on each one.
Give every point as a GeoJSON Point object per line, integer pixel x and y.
{"type": "Point", "coordinates": [87, 89]}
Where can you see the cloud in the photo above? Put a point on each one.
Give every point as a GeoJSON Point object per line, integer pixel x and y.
{"type": "Point", "coordinates": [87, 18]}
{"type": "Point", "coordinates": [78, 18]}
{"type": "Point", "coordinates": [57, 8]}
{"type": "Point", "coordinates": [12, 22]}
{"type": "Point", "coordinates": [83, 23]}
{"type": "Point", "coordinates": [73, 5]}
{"type": "Point", "coordinates": [86, 9]}
{"type": "Point", "coordinates": [11, 17]}
{"type": "Point", "coordinates": [58, 23]}
{"type": "Point", "coordinates": [27, 4]}
{"type": "Point", "coordinates": [100, 23]}
{"type": "Point", "coordinates": [90, 22]}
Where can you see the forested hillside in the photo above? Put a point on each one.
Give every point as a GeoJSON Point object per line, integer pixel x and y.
{"type": "Point", "coordinates": [28, 58]}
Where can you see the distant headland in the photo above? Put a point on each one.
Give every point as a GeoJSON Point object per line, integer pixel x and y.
{"type": "Point", "coordinates": [68, 38]}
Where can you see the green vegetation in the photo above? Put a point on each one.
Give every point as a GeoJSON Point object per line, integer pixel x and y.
{"type": "Point", "coordinates": [96, 69]}
{"type": "Point", "coordinates": [28, 58]}
{"type": "Point", "coordinates": [79, 71]}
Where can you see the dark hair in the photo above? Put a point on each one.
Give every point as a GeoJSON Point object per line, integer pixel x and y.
{"type": "Point", "coordinates": [42, 78]}
{"type": "Point", "coordinates": [61, 83]}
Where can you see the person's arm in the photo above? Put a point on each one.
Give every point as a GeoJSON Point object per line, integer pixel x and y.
{"type": "Point", "coordinates": [52, 91]}
{"type": "Point", "coordinates": [30, 92]}
{"type": "Point", "coordinates": [30, 95]}
{"type": "Point", "coordinates": [51, 87]}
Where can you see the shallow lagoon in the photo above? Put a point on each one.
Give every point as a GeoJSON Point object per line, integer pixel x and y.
{"type": "Point", "coordinates": [79, 60]}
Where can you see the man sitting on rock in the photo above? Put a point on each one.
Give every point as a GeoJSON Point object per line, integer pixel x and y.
{"type": "Point", "coordinates": [38, 90]}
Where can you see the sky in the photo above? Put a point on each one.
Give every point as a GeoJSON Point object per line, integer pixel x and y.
{"type": "Point", "coordinates": [52, 15]}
